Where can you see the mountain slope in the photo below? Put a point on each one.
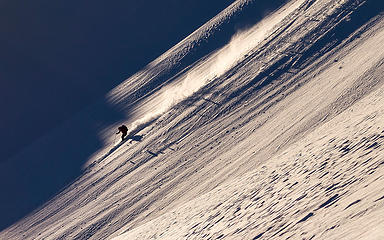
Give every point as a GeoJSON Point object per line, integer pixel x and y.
{"type": "Point", "coordinates": [38, 172]}
{"type": "Point", "coordinates": [283, 140]}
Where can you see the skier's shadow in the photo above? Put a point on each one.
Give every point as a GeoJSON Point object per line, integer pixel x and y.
{"type": "Point", "coordinates": [136, 138]}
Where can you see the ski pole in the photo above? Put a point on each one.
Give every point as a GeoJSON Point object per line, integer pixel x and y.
{"type": "Point", "coordinates": [114, 140]}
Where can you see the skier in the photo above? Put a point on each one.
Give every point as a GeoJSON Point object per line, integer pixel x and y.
{"type": "Point", "coordinates": [124, 130]}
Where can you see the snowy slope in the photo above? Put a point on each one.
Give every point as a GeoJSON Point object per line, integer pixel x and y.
{"type": "Point", "coordinates": [278, 134]}
{"type": "Point", "coordinates": [44, 168]}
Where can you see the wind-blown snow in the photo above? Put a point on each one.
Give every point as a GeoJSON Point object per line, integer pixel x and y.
{"type": "Point", "coordinates": [279, 134]}
{"type": "Point", "coordinates": [214, 66]}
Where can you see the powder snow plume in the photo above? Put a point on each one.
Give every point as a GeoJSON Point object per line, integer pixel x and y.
{"type": "Point", "coordinates": [205, 71]}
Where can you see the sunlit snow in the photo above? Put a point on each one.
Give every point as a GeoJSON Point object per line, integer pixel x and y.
{"type": "Point", "coordinates": [277, 134]}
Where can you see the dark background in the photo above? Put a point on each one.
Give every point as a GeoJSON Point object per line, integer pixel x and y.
{"type": "Point", "coordinates": [57, 57]}
{"type": "Point", "coordinates": [60, 57]}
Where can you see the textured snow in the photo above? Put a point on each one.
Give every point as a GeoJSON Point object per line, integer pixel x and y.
{"type": "Point", "coordinates": [277, 135]}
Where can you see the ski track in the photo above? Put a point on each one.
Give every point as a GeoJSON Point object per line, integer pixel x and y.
{"type": "Point", "coordinates": [325, 186]}
{"type": "Point", "coordinates": [285, 142]}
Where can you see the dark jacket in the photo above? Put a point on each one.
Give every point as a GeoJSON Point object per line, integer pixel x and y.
{"type": "Point", "coordinates": [122, 129]}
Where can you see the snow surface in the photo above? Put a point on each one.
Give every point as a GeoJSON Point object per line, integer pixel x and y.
{"type": "Point", "coordinates": [277, 135]}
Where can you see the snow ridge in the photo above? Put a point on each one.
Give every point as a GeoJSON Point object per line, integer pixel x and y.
{"type": "Point", "coordinates": [210, 67]}
{"type": "Point", "coordinates": [276, 135]}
